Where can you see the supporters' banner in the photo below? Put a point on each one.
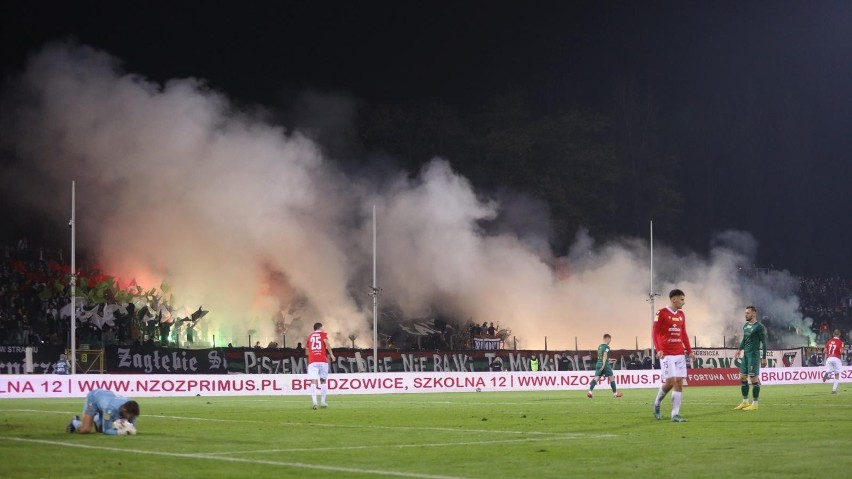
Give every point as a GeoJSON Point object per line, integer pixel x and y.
{"type": "Point", "coordinates": [724, 358]}
{"type": "Point", "coordinates": [285, 361]}
{"type": "Point", "coordinates": [147, 385]}
{"type": "Point", "coordinates": [785, 358]}
{"type": "Point", "coordinates": [157, 360]}
{"type": "Point", "coordinates": [489, 343]}
{"type": "Point", "coordinates": [160, 360]}
{"type": "Point", "coordinates": [45, 357]}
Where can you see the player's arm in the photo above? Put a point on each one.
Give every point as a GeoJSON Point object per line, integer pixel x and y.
{"type": "Point", "coordinates": [657, 334]}
{"type": "Point", "coordinates": [740, 347]}
{"type": "Point", "coordinates": [764, 335]}
{"type": "Point", "coordinates": [328, 348]}
{"type": "Point", "coordinates": [604, 359]}
{"type": "Point", "coordinates": [87, 424]}
{"type": "Point", "coordinates": [686, 345]}
{"type": "Point", "coordinates": [109, 429]}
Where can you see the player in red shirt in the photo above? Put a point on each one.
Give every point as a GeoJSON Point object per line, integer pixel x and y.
{"type": "Point", "coordinates": [833, 365]}
{"type": "Point", "coordinates": [318, 353]}
{"type": "Point", "coordinates": [670, 341]}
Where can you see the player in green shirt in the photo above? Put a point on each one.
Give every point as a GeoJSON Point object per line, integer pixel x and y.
{"type": "Point", "coordinates": [754, 334]}
{"type": "Point", "coordinates": [603, 369]}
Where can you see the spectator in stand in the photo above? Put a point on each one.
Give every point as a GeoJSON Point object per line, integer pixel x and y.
{"type": "Point", "coordinates": [633, 364]}
{"type": "Point", "coordinates": [496, 364]}
{"type": "Point", "coordinates": [823, 331]}
{"type": "Point", "coordinates": [62, 366]}
{"type": "Point", "coordinates": [833, 366]}
{"type": "Point", "coordinates": [491, 330]}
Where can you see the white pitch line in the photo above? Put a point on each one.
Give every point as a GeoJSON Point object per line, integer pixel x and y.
{"type": "Point", "coordinates": [404, 446]}
{"type": "Point", "coordinates": [146, 416]}
{"type": "Point", "coordinates": [350, 426]}
{"type": "Point", "coordinates": [297, 465]}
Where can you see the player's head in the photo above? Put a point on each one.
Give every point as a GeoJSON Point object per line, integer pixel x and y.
{"type": "Point", "coordinates": [317, 326]}
{"type": "Point", "coordinates": [129, 410]}
{"type": "Point", "coordinates": [751, 313]}
{"type": "Point", "coordinates": [607, 338]}
{"type": "Point", "coordinates": [677, 298]}
{"type": "Point", "coordinates": [836, 333]}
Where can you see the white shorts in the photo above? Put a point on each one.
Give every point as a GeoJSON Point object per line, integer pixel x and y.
{"type": "Point", "coordinates": [673, 366]}
{"type": "Point", "coordinates": [318, 371]}
{"type": "Point", "coordinates": [833, 365]}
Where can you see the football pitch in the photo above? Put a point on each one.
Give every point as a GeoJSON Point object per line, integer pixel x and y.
{"type": "Point", "coordinates": [799, 431]}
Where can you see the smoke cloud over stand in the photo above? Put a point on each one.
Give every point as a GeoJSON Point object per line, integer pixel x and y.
{"type": "Point", "coordinates": [175, 184]}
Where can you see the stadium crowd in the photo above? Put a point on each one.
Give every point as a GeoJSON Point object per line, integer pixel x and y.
{"type": "Point", "coordinates": [33, 292]}
{"type": "Point", "coordinates": [828, 301]}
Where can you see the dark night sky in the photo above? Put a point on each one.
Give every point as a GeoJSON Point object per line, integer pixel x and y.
{"type": "Point", "coordinates": [759, 93]}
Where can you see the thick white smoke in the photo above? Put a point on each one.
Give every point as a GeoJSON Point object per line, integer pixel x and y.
{"type": "Point", "coordinates": [241, 216]}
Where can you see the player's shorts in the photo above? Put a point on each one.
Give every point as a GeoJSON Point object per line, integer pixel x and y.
{"type": "Point", "coordinates": [607, 370]}
{"type": "Point", "coordinates": [318, 371]}
{"type": "Point", "coordinates": [750, 365]}
{"type": "Point", "coordinates": [833, 365]}
{"type": "Point", "coordinates": [673, 366]}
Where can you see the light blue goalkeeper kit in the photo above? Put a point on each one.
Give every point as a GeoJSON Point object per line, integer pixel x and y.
{"type": "Point", "coordinates": [103, 406]}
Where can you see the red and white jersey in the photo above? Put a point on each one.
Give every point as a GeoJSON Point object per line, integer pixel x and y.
{"type": "Point", "coordinates": [316, 347]}
{"type": "Point", "coordinates": [670, 334]}
{"type": "Point", "coordinates": [833, 348]}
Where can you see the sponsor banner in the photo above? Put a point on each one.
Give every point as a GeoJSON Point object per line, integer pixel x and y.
{"type": "Point", "coordinates": [799, 375]}
{"type": "Point", "coordinates": [146, 385]}
{"type": "Point", "coordinates": [712, 377]}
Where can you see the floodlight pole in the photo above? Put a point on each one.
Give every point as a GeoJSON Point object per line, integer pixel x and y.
{"type": "Point", "coordinates": [651, 295]}
{"type": "Point", "coordinates": [375, 294]}
{"type": "Point", "coordinates": [73, 281]}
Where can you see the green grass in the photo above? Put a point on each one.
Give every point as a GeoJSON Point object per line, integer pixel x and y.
{"type": "Point", "coordinates": [799, 431]}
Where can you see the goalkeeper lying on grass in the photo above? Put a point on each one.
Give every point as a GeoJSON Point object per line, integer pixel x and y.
{"type": "Point", "coordinates": [108, 413]}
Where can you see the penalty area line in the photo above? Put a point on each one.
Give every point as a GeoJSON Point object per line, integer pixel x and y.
{"type": "Point", "coordinates": [296, 465]}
